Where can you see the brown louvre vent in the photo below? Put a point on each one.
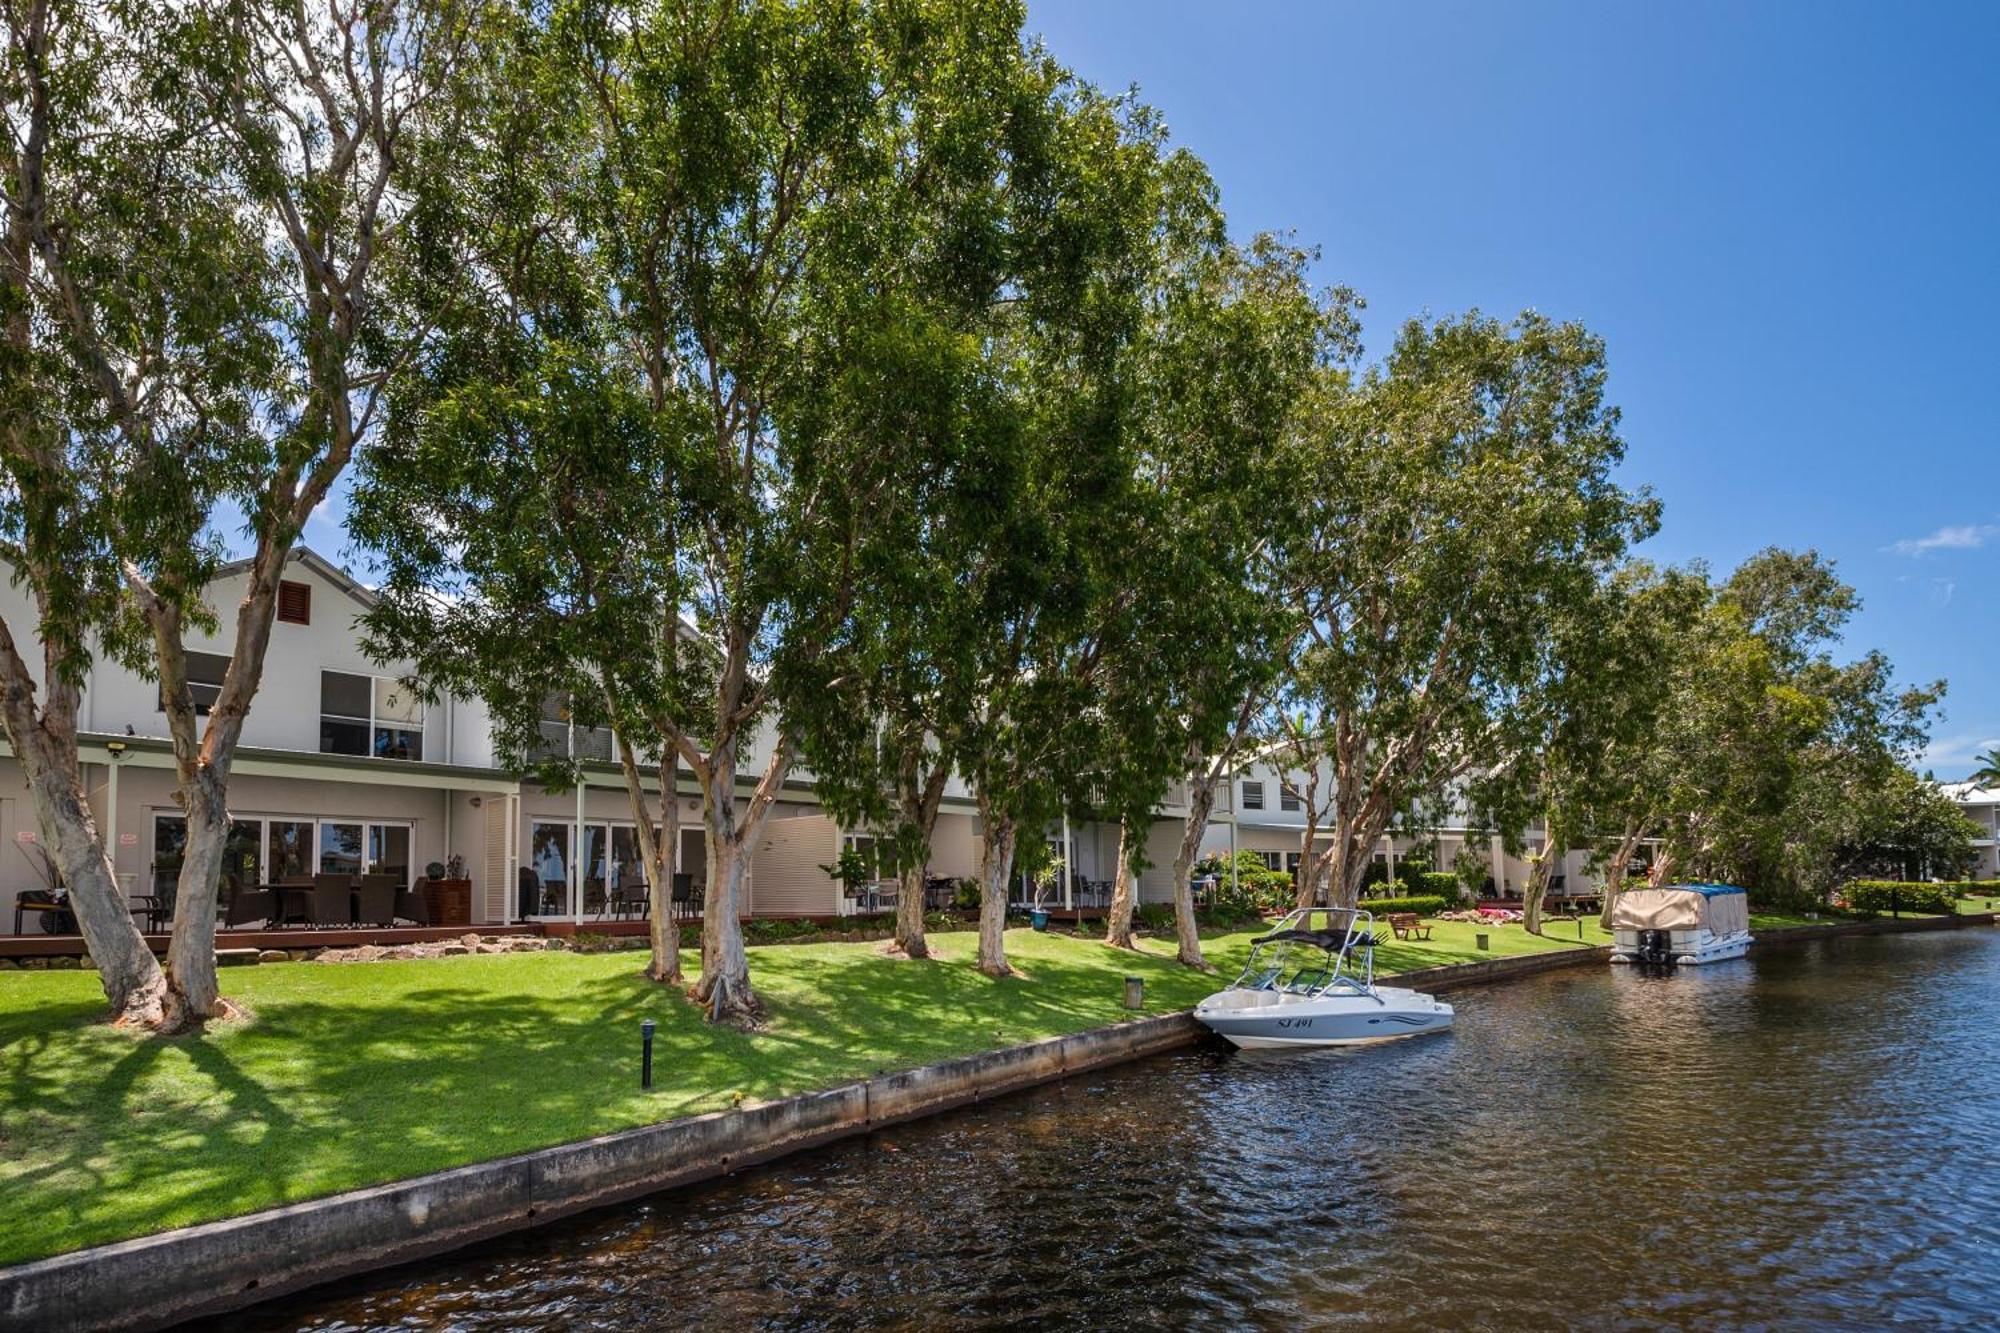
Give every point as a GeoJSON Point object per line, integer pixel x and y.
{"type": "Point", "coordinates": [295, 602]}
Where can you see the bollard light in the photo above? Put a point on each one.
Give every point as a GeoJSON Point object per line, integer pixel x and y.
{"type": "Point", "coordinates": [646, 1030]}
{"type": "Point", "coordinates": [1482, 940]}
{"type": "Point", "coordinates": [1135, 992]}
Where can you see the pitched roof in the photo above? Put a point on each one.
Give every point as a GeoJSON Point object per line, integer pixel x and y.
{"type": "Point", "coordinates": [318, 564]}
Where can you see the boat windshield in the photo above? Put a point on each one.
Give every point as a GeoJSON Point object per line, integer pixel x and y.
{"type": "Point", "coordinates": [1312, 951]}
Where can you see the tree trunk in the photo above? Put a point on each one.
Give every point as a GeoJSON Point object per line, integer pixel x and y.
{"type": "Point", "coordinates": [1118, 924]}
{"type": "Point", "coordinates": [1663, 865]}
{"type": "Point", "coordinates": [130, 975]}
{"type": "Point", "coordinates": [45, 745]}
{"type": "Point", "coordinates": [193, 996]}
{"type": "Point", "coordinates": [1537, 888]}
{"type": "Point", "coordinates": [1187, 931]}
{"type": "Point", "coordinates": [725, 968]}
{"type": "Point", "coordinates": [996, 868]}
{"type": "Point", "coordinates": [663, 863]}
{"type": "Point", "coordinates": [910, 912]}
{"type": "Point", "coordinates": [1614, 875]}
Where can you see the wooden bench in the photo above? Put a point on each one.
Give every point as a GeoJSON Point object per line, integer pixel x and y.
{"type": "Point", "coordinates": [1407, 927]}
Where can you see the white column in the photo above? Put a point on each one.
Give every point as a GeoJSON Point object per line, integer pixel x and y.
{"type": "Point", "coordinates": [1499, 867]}
{"type": "Point", "coordinates": [576, 838]}
{"type": "Point", "coordinates": [1068, 871]}
{"type": "Point", "coordinates": [111, 824]}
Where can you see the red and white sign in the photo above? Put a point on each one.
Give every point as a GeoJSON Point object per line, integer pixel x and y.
{"type": "Point", "coordinates": [128, 840]}
{"type": "Point", "coordinates": [25, 835]}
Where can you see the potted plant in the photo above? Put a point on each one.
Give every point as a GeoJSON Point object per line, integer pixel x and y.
{"type": "Point", "coordinates": [851, 869]}
{"type": "Point", "coordinates": [1046, 878]}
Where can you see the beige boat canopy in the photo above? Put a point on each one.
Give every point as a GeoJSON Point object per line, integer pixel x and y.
{"type": "Point", "coordinates": [1723, 908]}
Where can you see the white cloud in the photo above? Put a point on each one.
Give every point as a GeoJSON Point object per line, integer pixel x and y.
{"type": "Point", "coordinates": [1963, 537]}
{"type": "Point", "coordinates": [1952, 756]}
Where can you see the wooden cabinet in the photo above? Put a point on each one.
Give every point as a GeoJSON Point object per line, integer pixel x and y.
{"type": "Point", "coordinates": [449, 901]}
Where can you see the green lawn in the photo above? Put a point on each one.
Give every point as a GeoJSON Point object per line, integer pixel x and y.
{"type": "Point", "coordinates": [353, 1074]}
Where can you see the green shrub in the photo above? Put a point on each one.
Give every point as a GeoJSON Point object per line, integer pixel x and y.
{"type": "Point", "coordinates": [1882, 895]}
{"type": "Point", "coordinates": [1442, 883]}
{"type": "Point", "coordinates": [1154, 916]}
{"type": "Point", "coordinates": [1427, 904]}
{"type": "Point", "coordinates": [967, 897]}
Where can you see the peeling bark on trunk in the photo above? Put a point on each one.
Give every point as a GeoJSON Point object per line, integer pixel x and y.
{"type": "Point", "coordinates": [1614, 874]}
{"type": "Point", "coordinates": [193, 995]}
{"type": "Point", "coordinates": [996, 868]}
{"type": "Point", "coordinates": [1118, 924]}
{"type": "Point", "coordinates": [45, 746]}
{"type": "Point", "coordinates": [1187, 931]}
{"type": "Point", "coordinates": [918, 802]}
{"type": "Point", "coordinates": [910, 912]}
{"type": "Point", "coordinates": [725, 969]}
{"type": "Point", "coordinates": [1537, 888]}
{"type": "Point", "coordinates": [661, 857]}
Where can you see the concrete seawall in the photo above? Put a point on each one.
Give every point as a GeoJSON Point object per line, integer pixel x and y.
{"type": "Point", "coordinates": [158, 1280]}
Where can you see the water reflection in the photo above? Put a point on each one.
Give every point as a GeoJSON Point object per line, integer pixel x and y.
{"type": "Point", "coordinates": [1802, 1138]}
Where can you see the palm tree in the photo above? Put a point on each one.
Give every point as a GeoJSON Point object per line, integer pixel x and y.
{"type": "Point", "coordinates": [1988, 772]}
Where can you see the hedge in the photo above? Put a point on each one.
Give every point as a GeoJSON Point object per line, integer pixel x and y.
{"type": "Point", "coordinates": [1441, 882]}
{"type": "Point", "coordinates": [1426, 904]}
{"type": "Point", "coordinates": [1883, 895]}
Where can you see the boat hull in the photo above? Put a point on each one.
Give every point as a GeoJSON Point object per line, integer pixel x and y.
{"type": "Point", "coordinates": [1688, 948]}
{"type": "Point", "coordinates": [1267, 1020]}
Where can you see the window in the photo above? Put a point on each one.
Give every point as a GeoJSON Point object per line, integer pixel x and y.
{"type": "Point", "coordinates": [1287, 798]}
{"type": "Point", "coordinates": [1292, 860]}
{"type": "Point", "coordinates": [1272, 860]}
{"type": "Point", "coordinates": [1253, 796]}
{"type": "Point", "coordinates": [281, 848]}
{"type": "Point", "coordinates": [549, 846]}
{"type": "Point", "coordinates": [204, 675]}
{"type": "Point", "coordinates": [591, 742]}
{"type": "Point", "coordinates": [339, 849]}
{"type": "Point", "coordinates": [873, 851]}
{"type": "Point", "coordinates": [288, 849]}
{"type": "Point", "coordinates": [369, 715]}
{"type": "Point", "coordinates": [295, 601]}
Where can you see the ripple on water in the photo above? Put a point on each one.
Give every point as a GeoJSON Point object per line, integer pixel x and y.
{"type": "Point", "coordinates": [1805, 1138]}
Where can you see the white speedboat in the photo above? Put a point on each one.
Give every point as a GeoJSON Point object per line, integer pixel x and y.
{"type": "Point", "coordinates": [1680, 924]}
{"type": "Point", "coordinates": [1311, 982]}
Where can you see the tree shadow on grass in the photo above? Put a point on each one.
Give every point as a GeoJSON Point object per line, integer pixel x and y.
{"type": "Point", "coordinates": [353, 1078]}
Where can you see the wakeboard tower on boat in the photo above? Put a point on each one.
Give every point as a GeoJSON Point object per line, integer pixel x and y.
{"type": "Point", "coordinates": [1311, 982]}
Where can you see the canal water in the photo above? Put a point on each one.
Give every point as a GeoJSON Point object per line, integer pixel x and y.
{"type": "Point", "coordinates": [1809, 1137]}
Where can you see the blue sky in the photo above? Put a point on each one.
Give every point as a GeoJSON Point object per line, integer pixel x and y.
{"type": "Point", "coordinates": [1783, 218]}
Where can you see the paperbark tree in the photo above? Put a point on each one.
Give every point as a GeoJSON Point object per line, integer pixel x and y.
{"type": "Point", "coordinates": [1464, 492]}
{"type": "Point", "coordinates": [706, 302]}
{"type": "Point", "coordinates": [197, 209]}
{"type": "Point", "coordinates": [1574, 736]}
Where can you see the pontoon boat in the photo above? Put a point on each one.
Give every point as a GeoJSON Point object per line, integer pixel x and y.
{"type": "Point", "coordinates": [1680, 924]}
{"type": "Point", "coordinates": [1311, 982]}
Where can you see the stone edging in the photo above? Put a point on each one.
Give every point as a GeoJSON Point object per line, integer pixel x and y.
{"type": "Point", "coordinates": [172, 1276]}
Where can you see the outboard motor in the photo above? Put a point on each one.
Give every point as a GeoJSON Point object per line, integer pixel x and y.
{"type": "Point", "coordinates": [1656, 946]}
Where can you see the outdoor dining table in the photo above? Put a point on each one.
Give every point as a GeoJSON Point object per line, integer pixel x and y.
{"type": "Point", "coordinates": [290, 901]}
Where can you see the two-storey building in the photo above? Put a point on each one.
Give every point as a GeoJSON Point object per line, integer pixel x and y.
{"type": "Point", "coordinates": [344, 770]}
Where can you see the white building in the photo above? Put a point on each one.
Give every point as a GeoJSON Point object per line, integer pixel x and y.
{"type": "Point", "coordinates": [1265, 812]}
{"type": "Point", "coordinates": [1982, 806]}
{"type": "Point", "coordinates": [343, 771]}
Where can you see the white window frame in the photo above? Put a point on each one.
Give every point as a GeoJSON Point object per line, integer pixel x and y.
{"type": "Point", "coordinates": [263, 820]}
{"type": "Point", "coordinates": [1253, 790]}
{"type": "Point", "coordinates": [373, 721]}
